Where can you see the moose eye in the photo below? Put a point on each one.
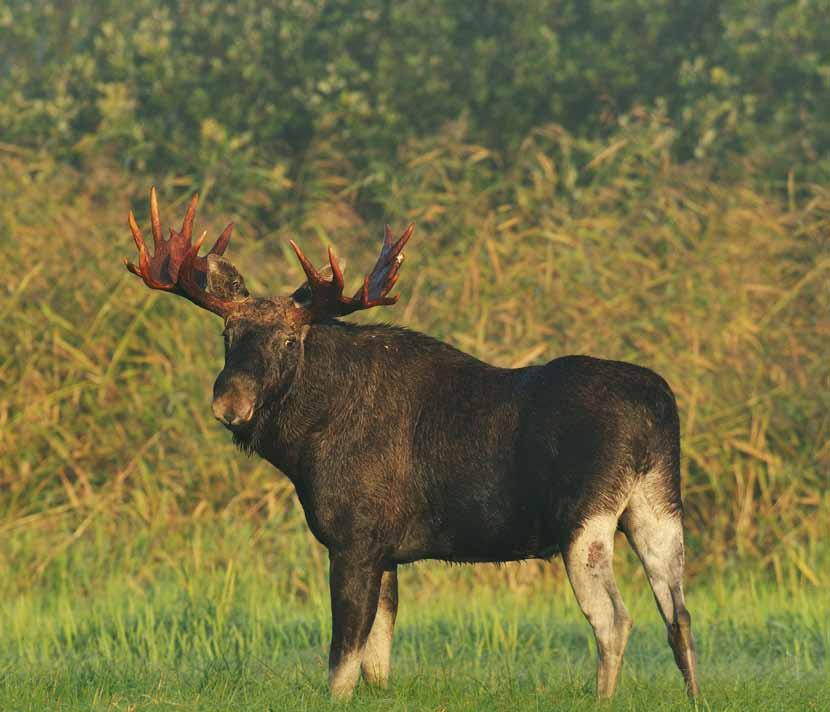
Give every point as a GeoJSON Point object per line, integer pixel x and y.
{"type": "Point", "coordinates": [290, 341]}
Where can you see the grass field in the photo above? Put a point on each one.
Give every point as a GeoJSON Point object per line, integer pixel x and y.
{"type": "Point", "coordinates": [241, 637]}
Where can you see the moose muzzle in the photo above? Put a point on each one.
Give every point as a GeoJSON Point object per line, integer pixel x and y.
{"type": "Point", "coordinates": [234, 399]}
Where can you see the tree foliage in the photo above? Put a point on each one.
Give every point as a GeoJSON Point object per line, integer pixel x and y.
{"type": "Point", "coordinates": [211, 88]}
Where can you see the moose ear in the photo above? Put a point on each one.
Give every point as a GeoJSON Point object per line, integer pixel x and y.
{"type": "Point", "coordinates": [302, 295]}
{"type": "Point", "coordinates": [224, 280]}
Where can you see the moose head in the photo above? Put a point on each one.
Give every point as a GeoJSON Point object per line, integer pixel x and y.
{"type": "Point", "coordinates": [263, 335]}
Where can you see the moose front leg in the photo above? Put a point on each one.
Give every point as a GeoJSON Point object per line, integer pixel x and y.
{"type": "Point", "coordinates": [355, 588]}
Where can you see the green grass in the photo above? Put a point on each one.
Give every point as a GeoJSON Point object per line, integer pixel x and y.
{"type": "Point", "coordinates": [240, 637]}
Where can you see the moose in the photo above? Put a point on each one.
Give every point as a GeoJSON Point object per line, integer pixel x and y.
{"type": "Point", "coordinates": [401, 448]}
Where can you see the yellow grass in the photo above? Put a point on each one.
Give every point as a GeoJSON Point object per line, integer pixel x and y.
{"type": "Point", "coordinates": [105, 425]}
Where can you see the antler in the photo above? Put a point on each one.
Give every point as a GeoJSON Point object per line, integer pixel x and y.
{"type": "Point", "coordinates": [175, 265]}
{"type": "Point", "coordinates": [327, 298]}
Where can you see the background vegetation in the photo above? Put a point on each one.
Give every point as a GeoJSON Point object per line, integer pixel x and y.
{"type": "Point", "coordinates": [233, 95]}
{"type": "Point", "coordinates": [635, 180]}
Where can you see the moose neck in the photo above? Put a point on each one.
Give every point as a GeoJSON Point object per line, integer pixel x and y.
{"type": "Point", "coordinates": [337, 366]}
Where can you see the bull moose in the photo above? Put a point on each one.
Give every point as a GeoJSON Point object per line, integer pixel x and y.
{"type": "Point", "coordinates": [402, 448]}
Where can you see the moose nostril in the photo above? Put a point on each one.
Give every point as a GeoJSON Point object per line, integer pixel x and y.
{"type": "Point", "coordinates": [245, 413]}
{"type": "Point", "coordinates": [218, 409]}
{"type": "Point", "coordinates": [232, 413]}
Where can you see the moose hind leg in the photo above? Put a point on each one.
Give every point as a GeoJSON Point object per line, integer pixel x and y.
{"type": "Point", "coordinates": [588, 560]}
{"type": "Point", "coordinates": [656, 534]}
{"type": "Point", "coordinates": [378, 652]}
{"type": "Point", "coordinates": [355, 589]}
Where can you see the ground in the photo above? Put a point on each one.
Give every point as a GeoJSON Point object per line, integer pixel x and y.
{"type": "Point", "coordinates": [227, 639]}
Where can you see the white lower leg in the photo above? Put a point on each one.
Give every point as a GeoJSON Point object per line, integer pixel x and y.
{"type": "Point", "coordinates": [378, 651]}
{"type": "Point", "coordinates": [657, 537]}
{"type": "Point", "coordinates": [343, 676]}
{"type": "Point", "coordinates": [589, 564]}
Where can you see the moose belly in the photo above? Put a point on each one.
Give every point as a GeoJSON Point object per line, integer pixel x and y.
{"type": "Point", "coordinates": [464, 546]}
{"type": "Point", "coordinates": [482, 529]}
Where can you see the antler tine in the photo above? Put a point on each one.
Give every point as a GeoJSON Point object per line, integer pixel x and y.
{"type": "Point", "coordinates": [222, 241]}
{"type": "Point", "coordinates": [143, 269]}
{"type": "Point", "coordinates": [136, 231]}
{"type": "Point", "coordinates": [312, 275]}
{"type": "Point", "coordinates": [189, 217]}
{"type": "Point", "coordinates": [139, 242]}
{"type": "Point", "coordinates": [336, 273]}
{"type": "Point", "coordinates": [385, 272]}
{"type": "Point", "coordinates": [155, 220]}
{"type": "Point", "coordinates": [395, 249]}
